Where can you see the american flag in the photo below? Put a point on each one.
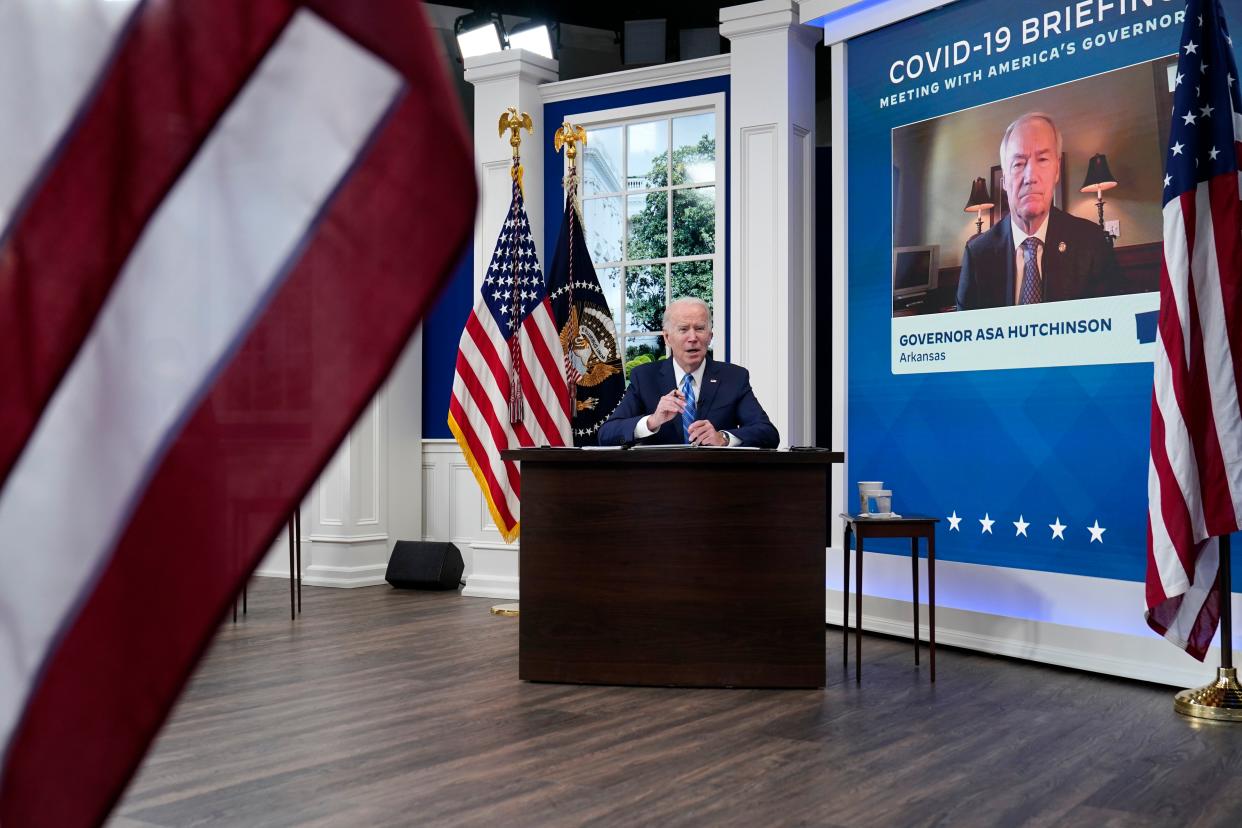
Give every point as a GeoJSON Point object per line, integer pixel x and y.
{"type": "Point", "coordinates": [1195, 475]}
{"type": "Point", "coordinates": [509, 389]}
{"type": "Point", "coordinates": [220, 221]}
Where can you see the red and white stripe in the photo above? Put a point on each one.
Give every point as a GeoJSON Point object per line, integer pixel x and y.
{"type": "Point", "coordinates": [214, 199]}
{"type": "Point", "coordinates": [479, 407]}
{"type": "Point", "coordinates": [1195, 472]}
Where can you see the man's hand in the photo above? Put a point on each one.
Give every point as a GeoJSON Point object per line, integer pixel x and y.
{"type": "Point", "coordinates": [671, 405]}
{"type": "Point", "coordinates": [703, 433]}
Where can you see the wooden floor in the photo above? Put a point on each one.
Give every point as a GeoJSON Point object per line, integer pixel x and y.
{"type": "Point", "coordinates": [381, 707]}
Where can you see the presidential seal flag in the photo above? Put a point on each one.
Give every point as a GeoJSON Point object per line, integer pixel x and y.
{"type": "Point", "coordinates": [509, 387]}
{"type": "Point", "coordinates": [221, 222]}
{"type": "Point", "coordinates": [1195, 473]}
{"type": "Point", "coordinates": [593, 370]}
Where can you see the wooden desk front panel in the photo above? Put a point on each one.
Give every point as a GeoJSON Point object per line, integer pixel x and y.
{"type": "Point", "coordinates": [670, 574]}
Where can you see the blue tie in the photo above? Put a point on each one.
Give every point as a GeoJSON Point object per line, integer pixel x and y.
{"type": "Point", "coordinates": [687, 416]}
{"type": "Point", "coordinates": [1032, 282]}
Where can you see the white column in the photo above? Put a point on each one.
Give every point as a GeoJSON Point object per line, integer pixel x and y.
{"type": "Point", "coordinates": [772, 198]}
{"type": "Point", "coordinates": [502, 80]}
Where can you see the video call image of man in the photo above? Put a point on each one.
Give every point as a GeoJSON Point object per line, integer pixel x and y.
{"type": "Point", "coordinates": [1038, 253]}
{"type": "Point", "coordinates": [689, 398]}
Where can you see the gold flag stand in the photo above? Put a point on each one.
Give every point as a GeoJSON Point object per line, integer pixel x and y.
{"type": "Point", "coordinates": [1222, 699]}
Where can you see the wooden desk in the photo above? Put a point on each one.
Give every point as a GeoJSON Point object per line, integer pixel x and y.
{"type": "Point", "coordinates": [683, 567]}
{"type": "Point", "coordinates": [907, 526]}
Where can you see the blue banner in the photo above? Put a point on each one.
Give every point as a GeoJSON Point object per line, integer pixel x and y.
{"type": "Point", "coordinates": [1002, 385]}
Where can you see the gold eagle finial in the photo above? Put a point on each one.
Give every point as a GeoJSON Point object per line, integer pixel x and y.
{"type": "Point", "coordinates": [569, 135]}
{"type": "Point", "coordinates": [512, 120]}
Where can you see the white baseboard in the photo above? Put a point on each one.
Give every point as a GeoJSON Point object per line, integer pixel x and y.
{"type": "Point", "coordinates": [272, 573]}
{"type": "Point", "coordinates": [1106, 633]}
{"type": "Point", "coordinates": [491, 586]}
{"type": "Point", "coordinates": [344, 576]}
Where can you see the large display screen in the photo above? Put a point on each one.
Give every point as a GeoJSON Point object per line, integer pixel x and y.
{"type": "Point", "coordinates": [1018, 406]}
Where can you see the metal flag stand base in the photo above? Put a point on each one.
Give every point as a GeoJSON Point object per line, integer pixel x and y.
{"type": "Point", "coordinates": [507, 610]}
{"type": "Point", "coordinates": [1222, 699]}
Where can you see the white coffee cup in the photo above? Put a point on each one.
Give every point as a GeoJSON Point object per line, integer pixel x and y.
{"type": "Point", "coordinates": [865, 486]}
{"type": "Point", "coordinates": [872, 496]}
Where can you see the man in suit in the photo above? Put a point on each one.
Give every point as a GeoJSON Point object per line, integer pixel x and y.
{"type": "Point", "coordinates": [689, 398]}
{"type": "Point", "coordinates": [1038, 253]}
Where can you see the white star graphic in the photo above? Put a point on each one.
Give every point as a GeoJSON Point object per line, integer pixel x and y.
{"type": "Point", "coordinates": [1230, 79]}
{"type": "Point", "coordinates": [1020, 524]}
{"type": "Point", "coordinates": [1215, 152]}
{"type": "Point", "coordinates": [1058, 529]}
{"type": "Point", "coordinates": [1178, 80]}
{"type": "Point", "coordinates": [954, 520]}
{"type": "Point", "coordinates": [1188, 119]}
{"type": "Point", "coordinates": [1203, 68]}
{"type": "Point", "coordinates": [987, 523]}
{"type": "Point", "coordinates": [1190, 47]}
{"type": "Point", "coordinates": [1206, 110]}
{"type": "Point", "coordinates": [1168, 179]}
{"type": "Point", "coordinates": [1097, 533]}
{"type": "Point", "coordinates": [1177, 148]}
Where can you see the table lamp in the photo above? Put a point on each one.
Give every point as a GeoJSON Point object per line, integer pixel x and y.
{"type": "Point", "coordinates": [1099, 178]}
{"type": "Point", "coordinates": [978, 202]}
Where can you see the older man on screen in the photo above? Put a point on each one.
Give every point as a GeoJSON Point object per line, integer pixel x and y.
{"type": "Point", "coordinates": [1038, 253]}
{"type": "Point", "coordinates": [689, 398]}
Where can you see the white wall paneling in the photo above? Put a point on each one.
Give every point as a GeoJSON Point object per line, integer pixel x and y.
{"type": "Point", "coordinates": [631, 79]}
{"type": "Point", "coordinates": [772, 106]}
{"type": "Point", "coordinates": [840, 296]}
{"type": "Point", "coordinates": [457, 512]}
{"type": "Point", "coordinates": [369, 495]}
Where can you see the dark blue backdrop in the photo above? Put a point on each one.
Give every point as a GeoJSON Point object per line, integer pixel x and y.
{"type": "Point", "coordinates": [1046, 443]}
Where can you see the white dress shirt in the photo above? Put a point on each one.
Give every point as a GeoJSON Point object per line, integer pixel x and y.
{"type": "Point", "coordinates": [696, 381]}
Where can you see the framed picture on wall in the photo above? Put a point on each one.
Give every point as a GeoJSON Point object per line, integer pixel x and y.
{"type": "Point", "coordinates": [1001, 199]}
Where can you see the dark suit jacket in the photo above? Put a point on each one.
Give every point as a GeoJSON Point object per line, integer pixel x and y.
{"type": "Point", "coordinates": [1085, 267]}
{"type": "Point", "coordinates": [726, 400]}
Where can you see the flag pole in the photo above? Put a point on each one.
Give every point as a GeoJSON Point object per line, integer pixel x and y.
{"type": "Point", "coordinates": [514, 121]}
{"type": "Point", "coordinates": [568, 136]}
{"type": "Point", "coordinates": [1222, 699]}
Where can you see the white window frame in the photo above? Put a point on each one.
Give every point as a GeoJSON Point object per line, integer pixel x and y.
{"type": "Point", "coordinates": [621, 116]}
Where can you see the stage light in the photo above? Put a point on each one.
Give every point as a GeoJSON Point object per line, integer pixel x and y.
{"type": "Point", "coordinates": [644, 42]}
{"type": "Point", "coordinates": [479, 33]}
{"type": "Point", "coordinates": [535, 36]}
{"type": "Point", "coordinates": [978, 202]}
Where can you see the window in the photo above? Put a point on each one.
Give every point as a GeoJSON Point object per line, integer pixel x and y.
{"type": "Point", "coordinates": [652, 203]}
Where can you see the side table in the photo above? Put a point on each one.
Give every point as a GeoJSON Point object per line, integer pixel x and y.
{"type": "Point", "coordinates": [907, 526]}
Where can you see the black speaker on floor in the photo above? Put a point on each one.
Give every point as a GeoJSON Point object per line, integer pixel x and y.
{"type": "Point", "coordinates": [425, 565]}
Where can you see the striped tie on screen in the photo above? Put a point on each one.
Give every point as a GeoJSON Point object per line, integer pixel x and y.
{"type": "Point", "coordinates": [1032, 281]}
